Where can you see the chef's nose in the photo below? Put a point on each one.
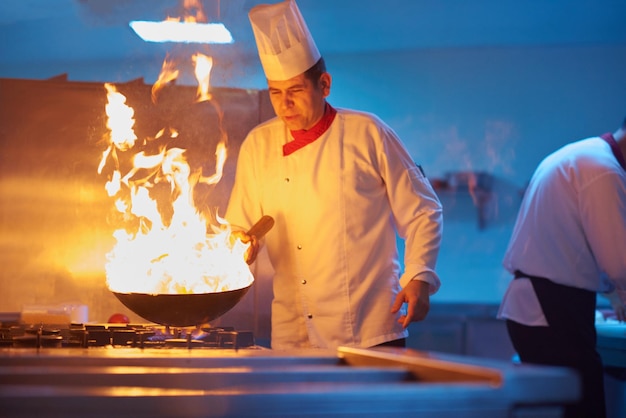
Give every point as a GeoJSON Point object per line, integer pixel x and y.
{"type": "Point", "coordinates": [286, 100]}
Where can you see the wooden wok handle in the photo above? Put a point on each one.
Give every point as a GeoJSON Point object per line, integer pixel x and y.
{"type": "Point", "coordinates": [262, 226]}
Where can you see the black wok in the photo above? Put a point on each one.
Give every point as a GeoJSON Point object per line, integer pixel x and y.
{"type": "Point", "coordinates": [182, 310]}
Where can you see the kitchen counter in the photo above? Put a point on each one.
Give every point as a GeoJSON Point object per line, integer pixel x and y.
{"type": "Point", "coordinates": [134, 382]}
{"type": "Point", "coordinates": [611, 343]}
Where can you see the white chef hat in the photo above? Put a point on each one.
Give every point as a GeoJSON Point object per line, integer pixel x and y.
{"type": "Point", "coordinates": [286, 47]}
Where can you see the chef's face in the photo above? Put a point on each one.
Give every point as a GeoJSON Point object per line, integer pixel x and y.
{"type": "Point", "coordinates": [299, 101]}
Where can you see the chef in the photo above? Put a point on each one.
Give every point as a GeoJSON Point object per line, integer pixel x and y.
{"type": "Point", "coordinates": [340, 186]}
{"type": "Point", "coordinates": [568, 244]}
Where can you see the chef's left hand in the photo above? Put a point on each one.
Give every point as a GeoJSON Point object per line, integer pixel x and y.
{"type": "Point", "coordinates": [618, 306]}
{"type": "Point", "coordinates": [416, 295]}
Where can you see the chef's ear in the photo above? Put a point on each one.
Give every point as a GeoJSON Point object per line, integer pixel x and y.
{"type": "Point", "coordinates": [324, 83]}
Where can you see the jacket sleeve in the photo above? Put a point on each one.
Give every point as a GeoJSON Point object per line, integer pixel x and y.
{"type": "Point", "coordinates": [416, 209]}
{"type": "Point", "coordinates": [603, 214]}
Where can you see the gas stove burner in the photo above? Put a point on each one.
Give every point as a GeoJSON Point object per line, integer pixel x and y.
{"type": "Point", "coordinates": [120, 336]}
{"type": "Point", "coordinates": [32, 336]}
{"type": "Point", "coordinates": [223, 337]}
{"type": "Point", "coordinates": [41, 338]}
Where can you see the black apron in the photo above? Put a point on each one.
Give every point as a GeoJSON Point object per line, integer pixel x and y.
{"type": "Point", "coordinates": [569, 340]}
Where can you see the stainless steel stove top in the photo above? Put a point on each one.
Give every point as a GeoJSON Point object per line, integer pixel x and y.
{"type": "Point", "coordinates": [125, 382]}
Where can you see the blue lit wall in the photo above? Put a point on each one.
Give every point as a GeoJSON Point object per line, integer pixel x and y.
{"type": "Point", "coordinates": [494, 110]}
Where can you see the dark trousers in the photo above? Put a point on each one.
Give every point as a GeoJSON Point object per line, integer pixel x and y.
{"type": "Point", "coordinates": [569, 341]}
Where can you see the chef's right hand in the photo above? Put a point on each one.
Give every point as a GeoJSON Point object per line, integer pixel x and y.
{"type": "Point", "coordinates": [253, 249]}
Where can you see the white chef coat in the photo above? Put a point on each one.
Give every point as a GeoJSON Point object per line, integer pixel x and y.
{"type": "Point", "coordinates": [333, 245]}
{"type": "Point", "coordinates": [571, 228]}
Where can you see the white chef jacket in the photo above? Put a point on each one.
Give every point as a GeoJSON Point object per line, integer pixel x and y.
{"type": "Point", "coordinates": [333, 245]}
{"type": "Point", "coordinates": [571, 228]}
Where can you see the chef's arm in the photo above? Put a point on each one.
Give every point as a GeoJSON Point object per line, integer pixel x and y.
{"type": "Point", "coordinates": [424, 232]}
{"type": "Point", "coordinates": [419, 218]}
{"type": "Point", "coordinates": [242, 209]}
{"type": "Point", "coordinates": [422, 273]}
{"type": "Point", "coordinates": [606, 200]}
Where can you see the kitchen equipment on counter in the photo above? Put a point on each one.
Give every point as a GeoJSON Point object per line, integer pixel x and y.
{"type": "Point", "coordinates": [55, 314]}
{"type": "Point", "coordinates": [183, 310]}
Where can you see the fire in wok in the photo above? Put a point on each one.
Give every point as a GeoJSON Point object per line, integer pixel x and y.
{"type": "Point", "coordinates": [192, 309]}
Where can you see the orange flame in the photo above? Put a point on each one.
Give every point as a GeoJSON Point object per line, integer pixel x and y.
{"type": "Point", "coordinates": [220, 155]}
{"type": "Point", "coordinates": [191, 6]}
{"type": "Point", "coordinates": [203, 65]}
{"type": "Point", "coordinates": [168, 74]}
{"type": "Point", "coordinates": [165, 246]}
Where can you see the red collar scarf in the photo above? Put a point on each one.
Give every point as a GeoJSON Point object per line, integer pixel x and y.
{"type": "Point", "coordinates": [608, 137]}
{"type": "Point", "coordinates": [304, 137]}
